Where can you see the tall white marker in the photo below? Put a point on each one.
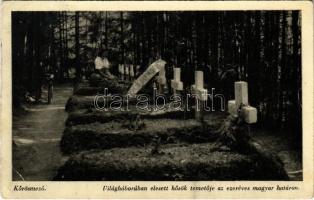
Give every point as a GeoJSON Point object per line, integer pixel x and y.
{"type": "Point", "coordinates": [249, 113]}
{"type": "Point", "coordinates": [200, 95]}
{"type": "Point", "coordinates": [176, 83]}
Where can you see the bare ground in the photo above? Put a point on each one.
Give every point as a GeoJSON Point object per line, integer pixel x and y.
{"type": "Point", "coordinates": [36, 138]}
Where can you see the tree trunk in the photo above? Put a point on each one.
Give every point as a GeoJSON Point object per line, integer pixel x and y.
{"type": "Point", "coordinates": [122, 38]}
{"type": "Point", "coordinates": [77, 47]}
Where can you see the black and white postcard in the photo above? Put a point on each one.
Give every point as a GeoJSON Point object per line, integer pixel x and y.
{"type": "Point", "coordinates": [157, 99]}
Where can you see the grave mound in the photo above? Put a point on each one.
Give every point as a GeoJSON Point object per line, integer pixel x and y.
{"type": "Point", "coordinates": [77, 102]}
{"type": "Point", "coordinates": [135, 132]}
{"type": "Point", "coordinates": [92, 115]}
{"type": "Point", "coordinates": [86, 90]}
{"type": "Point", "coordinates": [194, 162]}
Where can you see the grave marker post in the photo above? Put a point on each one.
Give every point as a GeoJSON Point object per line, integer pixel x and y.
{"type": "Point", "coordinates": [200, 95]}
{"type": "Point", "coordinates": [241, 104]}
{"type": "Point", "coordinates": [126, 72]}
{"type": "Point", "coordinates": [161, 80]}
{"type": "Point", "coordinates": [131, 72]}
{"type": "Point", "coordinates": [176, 83]}
{"type": "Point", "coordinates": [122, 72]}
{"type": "Point", "coordinates": [137, 73]}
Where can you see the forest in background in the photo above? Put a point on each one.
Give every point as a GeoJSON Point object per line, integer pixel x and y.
{"type": "Point", "coordinates": [260, 47]}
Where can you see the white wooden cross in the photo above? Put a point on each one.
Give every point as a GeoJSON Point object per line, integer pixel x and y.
{"type": "Point", "coordinates": [131, 72]}
{"type": "Point", "coordinates": [147, 75]}
{"type": "Point", "coordinates": [161, 80]}
{"type": "Point", "coordinates": [137, 70]}
{"type": "Point", "coordinates": [200, 94]}
{"type": "Point", "coordinates": [126, 72]}
{"type": "Point", "coordinates": [121, 69]}
{"type": "Point", "coordinates": [249, 113]}
{"type": "Point", "coordinates": [176, 83]}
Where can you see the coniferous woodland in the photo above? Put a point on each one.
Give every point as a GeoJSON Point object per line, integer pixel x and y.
{"type": "Point", "coordinates": [260, 47]}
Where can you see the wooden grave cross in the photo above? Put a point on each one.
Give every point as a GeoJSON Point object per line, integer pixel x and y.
{"type": "Point", "coordinates": [200, 94]}
{"type": "Point", "coordinates": [147, 75]}
{"type": "Point", "coordinates": [137, 70]}
{"type": "Point", "coordinates": [241, 103]}
{"type": "Point", "coordinates": [161, 80]}
{"type": "Point", "coordinates": [131, 72]}
{"type": "Point", "coordinates": [121, 71]}
{"type": "Point", "coordinates": [176, 83]}
{"type": "Point", "coordinates": [126, 72]}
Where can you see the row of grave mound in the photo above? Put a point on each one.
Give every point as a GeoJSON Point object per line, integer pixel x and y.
{"type": "Point", "coordinates": [159, 145]}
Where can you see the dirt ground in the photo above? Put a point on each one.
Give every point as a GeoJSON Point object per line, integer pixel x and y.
{"type": "Point", "coordinates": [37, 133]}
{"type": "Point", "coordinates": [285, 147]}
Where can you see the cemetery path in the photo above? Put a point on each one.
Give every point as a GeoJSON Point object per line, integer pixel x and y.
{"type": "Point", "coordinates": [36, 135]}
